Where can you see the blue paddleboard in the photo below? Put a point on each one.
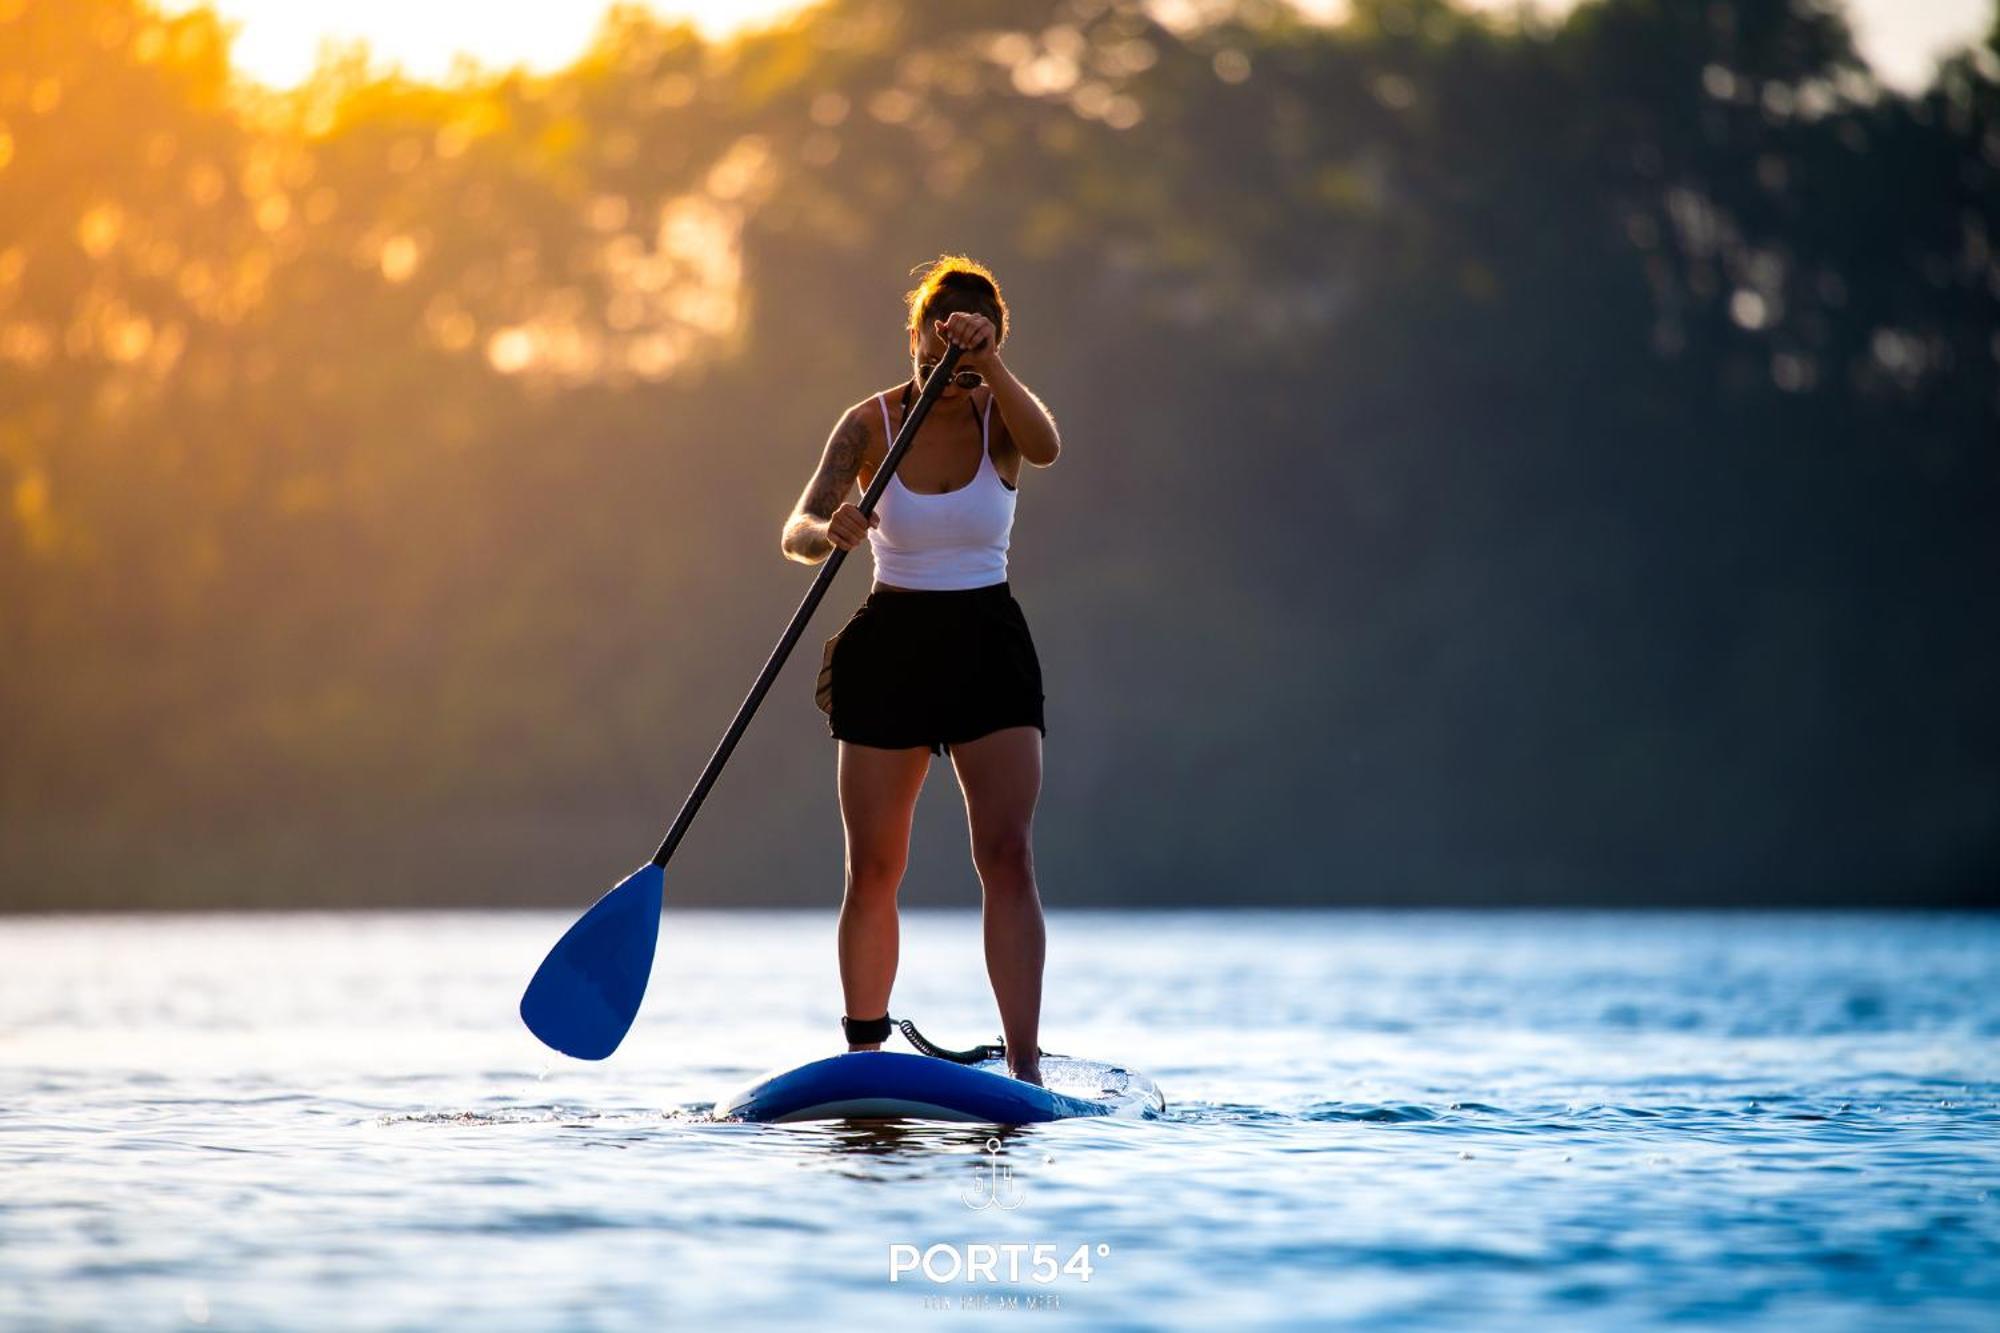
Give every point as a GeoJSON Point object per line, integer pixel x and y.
{"type": "Point", "coordinates": [890, 1085]}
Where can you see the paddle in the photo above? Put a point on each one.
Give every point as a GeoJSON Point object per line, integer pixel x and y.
{"type": "Point", "coordinates": [586, 993]}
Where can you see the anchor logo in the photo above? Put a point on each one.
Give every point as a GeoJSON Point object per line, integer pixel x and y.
{"type": "Point", "coordinates": [993, 1184]}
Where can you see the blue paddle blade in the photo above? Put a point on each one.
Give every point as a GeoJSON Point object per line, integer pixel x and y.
{"type": "Point", "coordinates": [586, 993]}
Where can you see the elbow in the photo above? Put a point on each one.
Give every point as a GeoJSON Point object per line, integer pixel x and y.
{"type": "Point", "coordinates": [1050, 453]}
{"type": "Point", "coordinates": [794, 543]}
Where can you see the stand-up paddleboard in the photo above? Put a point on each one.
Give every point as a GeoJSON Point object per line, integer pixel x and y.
{"type": "Point", "coordinates": [889, 1085]}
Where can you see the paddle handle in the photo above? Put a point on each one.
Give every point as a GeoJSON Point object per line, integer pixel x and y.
{"type": "Point", "coordinates": [940, 376]}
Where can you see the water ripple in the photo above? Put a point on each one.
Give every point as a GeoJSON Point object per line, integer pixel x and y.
{"type": "Point", "coordinates": [1514, 1122]}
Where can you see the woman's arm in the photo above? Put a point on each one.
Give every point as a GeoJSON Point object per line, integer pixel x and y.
{"type": "Point", "coordinates": [823, 519]}
{"type": "Point", "coordinates": [1028, 422]}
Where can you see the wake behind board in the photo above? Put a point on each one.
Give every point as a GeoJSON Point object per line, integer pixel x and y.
{"type": "Point", "coordinates": [889, 1085]}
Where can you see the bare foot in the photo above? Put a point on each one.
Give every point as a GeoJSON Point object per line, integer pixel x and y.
{"type": "Point", "coordinates": [1027, 1073]}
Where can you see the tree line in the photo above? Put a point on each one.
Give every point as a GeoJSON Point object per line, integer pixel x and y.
{"type": "Point", "coordinates": [1507, 461]}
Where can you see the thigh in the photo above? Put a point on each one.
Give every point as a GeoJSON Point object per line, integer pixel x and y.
{"type": "Point", "coordinates": [878, 796]}
{"type": "Point", "coordinates": [1001, 776]}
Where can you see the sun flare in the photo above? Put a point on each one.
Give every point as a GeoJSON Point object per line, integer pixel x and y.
{"type": "Point", "coordinates": [278, 41]}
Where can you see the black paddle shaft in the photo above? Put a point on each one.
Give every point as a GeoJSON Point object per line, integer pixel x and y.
{"type": "Point", "coordinates": [940, 376]}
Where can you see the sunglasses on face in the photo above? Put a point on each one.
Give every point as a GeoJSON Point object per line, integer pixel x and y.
{"type": "Point", "coordinates": [964, 379]}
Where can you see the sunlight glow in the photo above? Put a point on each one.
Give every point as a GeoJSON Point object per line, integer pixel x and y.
{"type": "Point", "coordinates": [278, 41]}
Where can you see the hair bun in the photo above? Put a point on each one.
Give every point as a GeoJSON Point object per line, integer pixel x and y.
{"type": "Point", "coordinates": [957, 283]}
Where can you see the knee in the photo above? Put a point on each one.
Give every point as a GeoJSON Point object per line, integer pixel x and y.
{"type": "Point", "coordinates": [874, 874]}
{"type": "Point", "coordinates": [1004, 857]}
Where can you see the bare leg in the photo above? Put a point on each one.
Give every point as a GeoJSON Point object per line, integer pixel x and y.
{"type": "Point", "coordinates": [878, 797]}
{"type": "Point", "coordinates": [1001, 776]}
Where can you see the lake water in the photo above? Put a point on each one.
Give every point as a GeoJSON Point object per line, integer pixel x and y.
{"type": "Point", "coordinates": [1374, 1120]}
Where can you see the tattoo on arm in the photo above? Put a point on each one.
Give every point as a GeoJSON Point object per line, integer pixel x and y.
{"type": "Point", "coordinates": [838, 468]}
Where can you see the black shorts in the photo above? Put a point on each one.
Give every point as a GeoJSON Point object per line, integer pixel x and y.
{"type": "Point", "coordinates": [935, 669]}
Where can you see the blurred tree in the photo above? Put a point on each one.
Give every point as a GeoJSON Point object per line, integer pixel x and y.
{"type": "Point", "coordinates": [1511, 460]}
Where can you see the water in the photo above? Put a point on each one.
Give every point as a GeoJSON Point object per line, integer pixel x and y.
{"type": "Point", "coordinates": [1487, 1121]}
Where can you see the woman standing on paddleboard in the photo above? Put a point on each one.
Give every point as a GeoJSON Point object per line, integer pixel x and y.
{"type": "Point", "coordinates": [938, 658]}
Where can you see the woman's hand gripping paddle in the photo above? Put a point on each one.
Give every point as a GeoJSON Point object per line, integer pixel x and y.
{"type": "Point", "coordinates": [586, 993]}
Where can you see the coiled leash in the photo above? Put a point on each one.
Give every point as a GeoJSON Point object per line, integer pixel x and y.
{"type": "Point", "coordinates": [929, 1047]}
{"type": "Point", "coordinates": [862, 1031]}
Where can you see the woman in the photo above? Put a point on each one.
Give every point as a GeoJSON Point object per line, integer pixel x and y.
{"type": "Point", "coordinates": [938, 658]}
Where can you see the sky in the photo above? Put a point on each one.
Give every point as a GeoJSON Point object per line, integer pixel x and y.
{"type": "Point", "coordinates": [1903, 38]}
{"type": "Point", "coordinates": [278, 39]}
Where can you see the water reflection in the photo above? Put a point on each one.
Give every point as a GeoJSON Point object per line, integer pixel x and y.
{"type": "Point", "coordinates": [913, 1140]}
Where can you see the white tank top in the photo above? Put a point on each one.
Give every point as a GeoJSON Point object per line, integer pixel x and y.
{"type": "Point", "coordinates": [957, 539]}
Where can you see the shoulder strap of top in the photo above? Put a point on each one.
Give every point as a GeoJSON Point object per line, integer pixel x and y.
{"type": "Point", "coordinates": [887, 434]}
